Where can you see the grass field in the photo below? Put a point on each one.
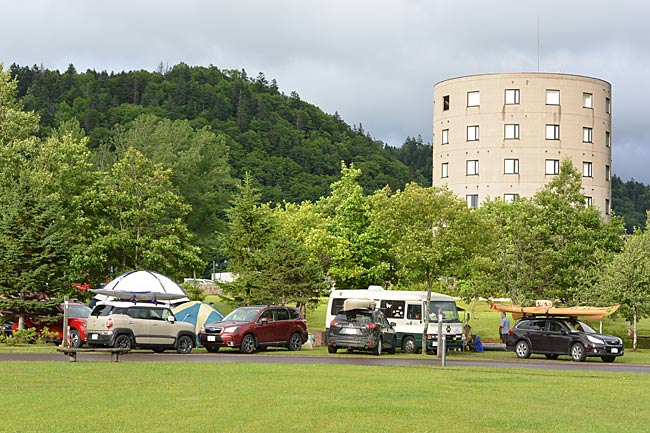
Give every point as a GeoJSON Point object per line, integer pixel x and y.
{"type": "Point", "coordinates": [187, 397]}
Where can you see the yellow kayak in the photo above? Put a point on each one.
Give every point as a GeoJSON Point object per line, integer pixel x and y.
{"type": "Point", "coordinates": [518, 311]}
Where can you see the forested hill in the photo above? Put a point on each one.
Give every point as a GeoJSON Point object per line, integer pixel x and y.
{"type": "Point", "coordinates": [290, 147]}
{"type": "Point", "coordinates": [631, 200]}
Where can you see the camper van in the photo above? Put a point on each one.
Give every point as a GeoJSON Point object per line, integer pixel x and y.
{"type": "Point", "coordinates": [406, 309]}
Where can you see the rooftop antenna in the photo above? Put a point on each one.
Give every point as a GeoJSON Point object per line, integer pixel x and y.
{"type": "Point", "coordinates": [537, 43]}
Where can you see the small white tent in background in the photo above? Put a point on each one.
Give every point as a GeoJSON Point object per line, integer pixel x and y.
{"type": "Point", "coordinates": [142, 286]}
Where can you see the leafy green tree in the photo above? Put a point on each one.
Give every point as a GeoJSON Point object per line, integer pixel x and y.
{"type": "Point", "coordinates": [139, 222]}
{"type": "Point", "coordinates": [624, 278]}
{"type": "Point", "coordinates": [545, 242]}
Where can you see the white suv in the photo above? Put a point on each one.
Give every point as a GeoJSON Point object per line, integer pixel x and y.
{"type": "Point", "coordinates": [138, 325]}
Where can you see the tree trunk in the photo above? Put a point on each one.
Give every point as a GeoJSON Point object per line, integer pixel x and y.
{"type": "Point", "coordinates": [634, 339]}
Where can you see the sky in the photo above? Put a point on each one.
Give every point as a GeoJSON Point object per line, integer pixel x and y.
{"type": "Point", "coordinates": [375, 62]}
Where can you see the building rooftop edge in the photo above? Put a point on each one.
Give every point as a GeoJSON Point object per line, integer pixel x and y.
{"type": "Point", "coordinates": [542, 74]}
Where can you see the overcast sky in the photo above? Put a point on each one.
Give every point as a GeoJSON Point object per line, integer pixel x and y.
{"type": "Point", "coordinates": [373, 61]}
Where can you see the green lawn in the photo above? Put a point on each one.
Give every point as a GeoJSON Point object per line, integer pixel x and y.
{"type": "Point", "coordinates": [188, 397]}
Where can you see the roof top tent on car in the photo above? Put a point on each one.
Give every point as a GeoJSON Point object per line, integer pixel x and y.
{"type": "Point", "coordinates": [405, 309]}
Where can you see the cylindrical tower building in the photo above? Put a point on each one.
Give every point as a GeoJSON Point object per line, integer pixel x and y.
{"type": "Point", "coordinates": [504, 135]}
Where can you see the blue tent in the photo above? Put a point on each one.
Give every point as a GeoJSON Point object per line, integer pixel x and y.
{"type": "Point", "coordinates": [197, 313]}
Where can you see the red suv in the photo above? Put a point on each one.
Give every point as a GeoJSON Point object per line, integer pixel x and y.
{"type": "Point", "coordinates": [251, 328]}
{"type": "Point", "coordinates": [77, 317]}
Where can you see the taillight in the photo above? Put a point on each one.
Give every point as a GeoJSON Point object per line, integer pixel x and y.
{"type": "Point", "coordinates": [109, 322]}
{"type": "Point", "coordinates": [334, 323]}
{"type": "Point", "coordinates": [510, 331]}
{"type": "Point", "coordinates": [371, 325]}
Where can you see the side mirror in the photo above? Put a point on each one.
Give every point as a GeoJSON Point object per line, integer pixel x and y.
{"type": "Point", "coordinates": [171, 319]}
{"type": "Point", "coordinates": [393, 324]}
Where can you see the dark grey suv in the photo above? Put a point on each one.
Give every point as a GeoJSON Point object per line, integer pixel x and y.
{"type": "Point", "coordinates": [555, 336]}
{"type": "Point", "coordinates": [362, 329]}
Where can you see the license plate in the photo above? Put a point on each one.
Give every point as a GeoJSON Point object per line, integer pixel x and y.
{"type": "Point", "coordinates": [94, 336]}
{"type": "Point", "coordinates": [614, 350]}
{"type": "Point", "coordinates": [211, 338]}
{"type": "Point", "coordinates": [349, 331]}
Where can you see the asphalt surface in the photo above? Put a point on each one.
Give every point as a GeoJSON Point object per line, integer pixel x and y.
{"type": "Point", "coordinates": [344, 358]}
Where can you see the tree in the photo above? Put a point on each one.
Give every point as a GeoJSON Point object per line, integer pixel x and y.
{"type": "Point", "coordinates": [139, 222]}
{"type": "Point", "coordinates": [545, 242]}
{"type": "Point", "coordinates": [430, 232]}
{"type": "Point", "coordinates": [624, 278]}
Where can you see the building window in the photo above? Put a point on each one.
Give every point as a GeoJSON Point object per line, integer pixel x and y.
{"type": "Point", "coordinates": [587, 135]}
{"type": "Point", "coordinates": [552, 132]}
{"type": "Point", "coordinates": [608, 209]}
{"type": "Point", "coordinates": [607, 105]}
{"type": "Point", "coordinates": [472, 200]}
{"type": "Point", "coordinates": [552, 166]}
{"type": "Point", "coordinates": [552, 97]}
{"type": "Point", "coordinates": [512, 96]}
{"type": "Point", "coordinates": [588, 201]}
{"type": "Point", "coordinates": [445, 170]}
{"type": "Point", "coordinates": [608, 139]}
{"type": "Point", "coordinates": [445, 103]}
{"type": "Point", "coordinates": [587, 169]}
{"type": "Point", "coordinates": [587, 100]}
{"type": "Point", "coordinates": [472, 133]}
{"type": "Point", "coordinates": [511, 166]}
{"type": "Point", "coordinates": [607, 173]}
{"type": "Point", "coordinates": [511, 132]}
{"type": "Point", "coordinates": [509, 198]}
{"type": "Point", "coordinates": [473, 99]}
{"type": "Point", "coordinates": [472, 167]}
{"type": "Point", "coordinates": [445, 136]}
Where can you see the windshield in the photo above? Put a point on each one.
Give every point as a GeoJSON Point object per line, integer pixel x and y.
{"type": "Point", "coordinates": [242, 315]}
{"type": "Point", "coordinates": [448, 309]}
{"type": "Point", "coordinates": [78, 311]}
{"type": "Point", "coordinates": [580, 327]}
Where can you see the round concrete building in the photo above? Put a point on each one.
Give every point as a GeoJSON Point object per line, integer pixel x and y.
{"type": "Point", "coordinates": [504, 135]}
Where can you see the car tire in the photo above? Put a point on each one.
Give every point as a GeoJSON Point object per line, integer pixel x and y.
{"type": "Point", "coordinates": [608, 358]}
{"type": "Point", "coordinates": [75, 338]}
{"type": "Point", "coordinates": [551, 355]}
{"type": "Point", "coordinates": [409, 345]}
{"type": "Point", "coordinates": [331, 349]}
{"type": "Point", "coordinates": [295, 342]}
{"type": "Point", "coordinates": [158, 349]}
{"type": "Point", "coordinates": [247, 345]}
{"type": "Point", "coordinates": [184, 345]}
{"type": "Point", "coordinates": [578, 353]}
{"type": "Point", "coordinates": [522, 349]}
{"type": "Point", "coordinates": [378, 347]}
{"type": "Point", "coordinates": [212, 349]}
{"type": "Point", "coordinates": [122, 341]}
{"type": "Point", "coordinates": [392, 348]}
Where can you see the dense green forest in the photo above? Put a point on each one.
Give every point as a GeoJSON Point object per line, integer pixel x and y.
{"type": "Point", "coordinates": [290, 147]}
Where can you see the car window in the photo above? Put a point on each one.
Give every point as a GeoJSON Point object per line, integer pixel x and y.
{"type": "Point", "coordinates": [102, 310]}
{"type": "Point", "coordinates": [268, 314]}
{"type": "Point", "coordinates": [293, 314]}
{"type": "Point", "coordinates": [281, 314]}
{"type": "Point", "coordinates": [393, 309]}
{"type": "Point", "coordinates": [78, 311]}
{"type": "Point", "coordinates": [414, 312]}
{"type": "Point", "coordinates": [337, 305]}
{"type": "Point", "coordinates": [580, 327]}
{"type": "Point", "coordinates": [532, 325]}
{"type": "Point", "coordinates": [156, 314]}
{"type": "Point", "coordinates": [242, 315]}
{"type": "Point", "coordinates": [554, 326]}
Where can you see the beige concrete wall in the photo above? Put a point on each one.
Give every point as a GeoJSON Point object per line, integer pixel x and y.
{"type": "Point", "coordinates": [532, 149]}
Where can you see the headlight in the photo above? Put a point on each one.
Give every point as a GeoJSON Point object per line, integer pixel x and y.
{"type": "Point", "coordinates": [595, 340]}
{"type": "Point", "coordinates": [230, 329]}
{"type": "Point", "coordinates": [202, 329]}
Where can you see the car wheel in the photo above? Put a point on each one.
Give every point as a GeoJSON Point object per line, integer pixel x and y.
{"type": "Point", "coordinates": [295, 342]}
{"type": "Point", "coordinates": [378, 347]}
{"type": "Point", "coordinates": [578, 352]}
{"type": "Point", "coordinates": [247, 345]}
{"type": "Point", "coordinates": [331, 349]}
{"type": "Point", "coordinates": [122, 341]}
{"type": "Point", "coordinates": [409, 345]}
{"type": "Point", "coordinates": [392, 348]}
{"type": "Point", "coordinates": [75, 338]}
{"type": "Point", "coordinates": [522, 349]}
{"type": "Point", "coordinates": [184, 345]}
{"type": "Point", "coordinates": [608, 358]}
{"type": "Point", "coordinates": [158, 349]}
{"type": "Point", "coordinates": [212, 349]}
{"type": "Point", "coordinates": [551, 355]}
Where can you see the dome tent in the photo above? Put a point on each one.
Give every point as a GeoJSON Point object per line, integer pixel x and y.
{"type": "Point", "coordinates": [141, 286]}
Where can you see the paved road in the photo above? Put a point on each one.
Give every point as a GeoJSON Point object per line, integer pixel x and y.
{"type": "Point", "coordinates": [354, 359]}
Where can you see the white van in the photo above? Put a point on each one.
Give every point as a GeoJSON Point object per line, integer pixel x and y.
{"type": "Point", "coordinates": [404, 308]}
